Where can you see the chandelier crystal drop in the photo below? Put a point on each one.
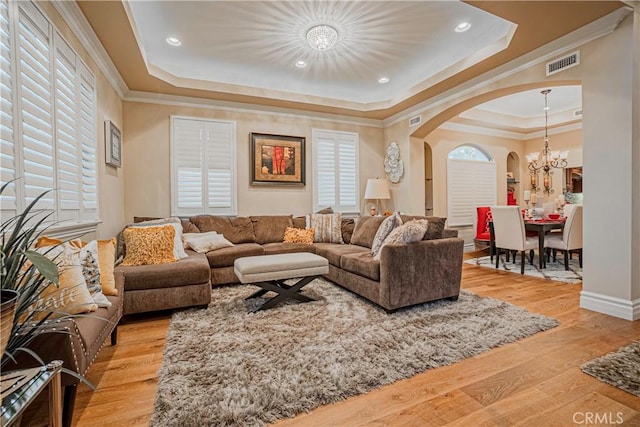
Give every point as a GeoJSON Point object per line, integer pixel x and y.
{"type": "Point", "coordinates": [546, 160]}
{"type": "Point", "coordinates": [322, 37]}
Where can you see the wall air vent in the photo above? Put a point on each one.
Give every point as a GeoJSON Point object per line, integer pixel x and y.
{"type": "Point", "coordinates": [577, 113]}
{"type": "Point", "coordinates": [563, 63]}
{"type": "Point", "coordinates": [415, 120]}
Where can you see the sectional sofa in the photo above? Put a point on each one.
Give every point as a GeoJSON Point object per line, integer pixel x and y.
{"type": "Point", "coordinates": [406, 274]}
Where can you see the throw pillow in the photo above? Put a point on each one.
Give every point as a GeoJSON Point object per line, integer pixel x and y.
{"type": "Point", "coordinates": [71, 296]}
{"type": "Point", "coordinates": [298, 235]}
{"type": "Point", "coordinates": [187, 236]}
{"type": "Point", "coordinates": [205, 242]}
{"type": "Point", "coordinates": [436, 225]}
{"type": "Point", "coordinates": [409, 232]}
{"type": "Point", "coordinates": [91, 272]}
{"type": "Point", "coordinates": [365, 230]}
{"type": "Point", "coordinates": [327, 210]}
{"type": "Point", "coordinates": [107, 261]}
{"type": "Point", "coordinates": [385, 228]}
{"type": "Point", "coordinates": [178, 247]}
{"type": "Point", "coordinates": [149, 245]}
{"type": "Point", "coordinates": [50, 241]}
{"type": "Point", "coordinates": [326, 226]}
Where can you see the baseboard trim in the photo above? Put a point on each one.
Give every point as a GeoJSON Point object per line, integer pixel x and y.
{"type": "Point", "coordinates": [617, 307]}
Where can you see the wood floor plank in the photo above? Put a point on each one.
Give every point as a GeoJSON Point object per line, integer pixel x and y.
{"type": "Point", "coordinates": [533, 382]}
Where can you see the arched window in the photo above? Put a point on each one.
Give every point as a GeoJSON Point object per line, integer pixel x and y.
{"type": "Point", "coordinates": [471, 182]}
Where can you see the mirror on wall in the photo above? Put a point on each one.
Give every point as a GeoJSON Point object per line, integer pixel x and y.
{"type": "Point", "coordinates": [573, 184]}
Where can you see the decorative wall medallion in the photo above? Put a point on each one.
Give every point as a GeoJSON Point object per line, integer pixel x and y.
{"type": "Point", "coordinates": [392, 164]}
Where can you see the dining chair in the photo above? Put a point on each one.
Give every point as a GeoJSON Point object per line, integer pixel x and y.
{"type": "Point", "coordinates": [571, 238]}
{"type": "Point", "coordinates": [510, 235]}
{"type": "Point", "coordinates": [483, 235]}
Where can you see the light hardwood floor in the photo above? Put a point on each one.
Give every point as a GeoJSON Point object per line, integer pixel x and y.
{"type": "Point", "coordinates": [535, 382]}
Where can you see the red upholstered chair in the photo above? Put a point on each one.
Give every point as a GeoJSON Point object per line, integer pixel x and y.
{"type": "Point", "coordinates": [482, 228]}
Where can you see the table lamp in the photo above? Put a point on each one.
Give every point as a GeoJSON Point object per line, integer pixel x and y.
{"type": "Point", "coordinates": [377, 189]}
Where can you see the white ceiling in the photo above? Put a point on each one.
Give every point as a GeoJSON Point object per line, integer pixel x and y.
{"type": "Point", "coordinates": [530, 104]}
{"type": "Point", "coordinates": [256, 43]}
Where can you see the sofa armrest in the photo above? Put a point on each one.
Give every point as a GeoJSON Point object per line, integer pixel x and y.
{"type": "Point", "coordinates": [419, 272]}
{"type": "Point", "coordinates": [449, 232]}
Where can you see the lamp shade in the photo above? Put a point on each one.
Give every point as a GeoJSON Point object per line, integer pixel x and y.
{"type": "Point", "coordinates": [377, 189]}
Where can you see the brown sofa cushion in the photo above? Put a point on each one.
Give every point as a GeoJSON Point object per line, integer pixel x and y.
{"type": "Point", "coordinates": [365, 230]}
{"type": "Point", "coordinates": [188, 271]}
{"type": "Point", "coordinates": [347, 229]}
{"type": "Point", "coordinates": [236, 230]}
{"type": "Point", "coordinates": [270, 229]}
{"type": "Point", "coordinates": [334, 251]}
{"type": "Point", "coordinates": [287, 248]}
{"type": "Point", "coordinates": [188, 226]}
{"type": "Point", "coordinates": [362, 264]}
{"type": "Point", "coordinates": [436, 225]}
{"type": "Point", "coordinates": [226, 256]}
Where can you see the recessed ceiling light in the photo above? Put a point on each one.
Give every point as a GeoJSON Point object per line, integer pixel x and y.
{"type": "Point", "coordinates": [462, 27]}
{"type": "Point", "coordinates": [301, 64]}
{"type": "Point", "coordinates": [383, 80]}
{"type": "Point", "coordinates": [173, 41]}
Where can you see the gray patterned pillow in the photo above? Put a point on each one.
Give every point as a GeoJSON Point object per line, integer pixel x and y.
{"type": "Point", "coordinates": [385, 228]}
{"type": "Point", "coordinates": [408, 232]}
{"type": "Point", "coordinates": [90, 266]}
{"type": "Point", "coordinates": [328, 227]}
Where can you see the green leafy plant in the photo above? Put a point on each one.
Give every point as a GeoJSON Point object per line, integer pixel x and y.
{"type": "Point", "coordinates": [25, 271]}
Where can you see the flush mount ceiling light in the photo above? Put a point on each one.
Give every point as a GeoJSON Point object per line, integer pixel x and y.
{"type": "Point", "coordinates": [322, 37]}
{"type": "Point", "coordinates": [301, 64]}
{"type": "Point", "coordinates": [462, 27]}
{"type": "Point", "coordinates": [174, 41]}
{"type": "Point", "coordinates": [383, 80]}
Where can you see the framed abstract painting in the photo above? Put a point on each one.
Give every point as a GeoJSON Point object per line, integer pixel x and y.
{"type": "Point", "coordinates": [277, 159]}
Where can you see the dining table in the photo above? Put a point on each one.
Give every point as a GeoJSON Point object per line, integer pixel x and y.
{"type": "Point", "coordinates": [540, 226]}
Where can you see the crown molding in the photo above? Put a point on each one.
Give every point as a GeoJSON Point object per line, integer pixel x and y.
{"type": "Point", "coordinates": [601, 27]}
{"type": "Point", "coordinates": [499, 133]}
{"type": "Point", "coordinates": [75, 19]}
{"type": "Point", "coordinates": [239, 107]}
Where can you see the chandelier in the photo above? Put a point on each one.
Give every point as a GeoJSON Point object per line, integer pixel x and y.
{"type": "Point", "coordinates": [322, 37]}
{"type": "Point", "coordinates": [546, 160]}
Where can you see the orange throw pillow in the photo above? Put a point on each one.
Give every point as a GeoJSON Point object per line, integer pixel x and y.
{"type": "Point", "coordinates": [106, 262]}
{"type": "Point", "coordinates": [298, 235]}
{"type": "Point", "coordinates": [149, 245]}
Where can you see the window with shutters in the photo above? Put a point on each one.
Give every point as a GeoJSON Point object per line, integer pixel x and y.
{"type": "Point", "coordinates": [335, 171]}
{"type": "Point", "coordinates": [471, 182]}
{"type": "Point", "coordinates": [48, 115]}
{"type": "Point", "coordinates": [203, 157]}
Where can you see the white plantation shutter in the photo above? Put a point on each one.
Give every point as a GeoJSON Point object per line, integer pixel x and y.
{"type": "Point", "coordinates": [335, 169]}
{"type": "Point", "coordinates": [470, 183]}
{"type": "Point", "coordinates": [48, 113]}
{"type": "Point", "coordinates": [36, 107]}
{"type": "Point", "coordinates": [8, 205]}
{"type": "Point", "coordinates": [202, 172]}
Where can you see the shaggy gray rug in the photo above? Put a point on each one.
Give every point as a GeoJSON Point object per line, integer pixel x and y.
{"type": "Point", "coordinates": [620, 369]}
{"type": "Point", "coordinates": [553, 271]}
{"type": "Point", "coordinates": [225, 367]}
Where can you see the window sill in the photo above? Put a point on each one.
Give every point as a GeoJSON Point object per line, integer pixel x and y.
{"type": "Point", "coordinates": [72, 231]}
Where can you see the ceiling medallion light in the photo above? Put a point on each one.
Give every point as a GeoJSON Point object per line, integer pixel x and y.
{"type": "Point", "coordinates": [173, 41]}
{"type": "Point", "coordinates": [547, 159]}
{"type": "Point", "coordinates": [462, 27]}
{"type": "Point", "coordinates": [322, 37]}
{"type": "Point", "coordinates": [383, 80]}
{"type": "Point", "coordinates": [301, 64]}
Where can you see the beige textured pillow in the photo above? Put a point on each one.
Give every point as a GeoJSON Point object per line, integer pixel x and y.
{"type": "Point", "coordinates": [71, 296]}
{"type": "Point", "coordinates": [205, 242]}
{"type": "Point", "coordinates": [385, 228]}
{"type": "Point", "coordinates": [187, 236]}
{"type": "Point", "coordinates": [298, 235]}
{"type": "Point", "coordinates": [327, 227]}
{"type": "Point", "coordinates": [409, 232]}
{"type": "Point", "coordinates": [149, 245]}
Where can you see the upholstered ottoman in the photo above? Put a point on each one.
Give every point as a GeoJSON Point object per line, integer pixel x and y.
{"type": "Point", "coordinates": [270, 271]}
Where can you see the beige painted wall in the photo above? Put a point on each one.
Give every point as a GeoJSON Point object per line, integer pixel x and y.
{"type": "Point", "coordinates": [110, 180]}
{"type": "Point", "coordinates": [571, 141]}
{"type": "Point", "coordinates": [148, 182]}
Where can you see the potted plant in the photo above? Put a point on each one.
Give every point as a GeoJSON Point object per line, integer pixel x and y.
{"type": "Point", "coordinates": [24, 275]}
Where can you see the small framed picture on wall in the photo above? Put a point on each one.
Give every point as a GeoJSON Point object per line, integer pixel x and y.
{"type": "Point", "coordinates": [112, 144]}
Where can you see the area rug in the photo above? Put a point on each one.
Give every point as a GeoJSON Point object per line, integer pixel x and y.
{"type": "Point", "coordinates": [225, 367]}
{"type": "Point", "coordinates": [553, 271]}
{"type": "Point", "coordinates": [620, 369]}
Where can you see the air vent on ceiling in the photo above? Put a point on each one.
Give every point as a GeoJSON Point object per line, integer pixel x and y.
{"type": "Point", "coordinates": [563, 63]}
{"type": "Point", "coordinates": [415, 120]}
{"type": "Point", "coordinates": [577, 113]}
